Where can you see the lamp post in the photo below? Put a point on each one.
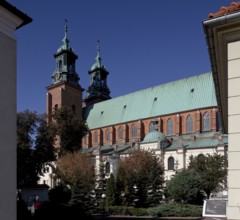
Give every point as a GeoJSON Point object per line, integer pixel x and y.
{"type": "Point", "coordinates": [103, 204]}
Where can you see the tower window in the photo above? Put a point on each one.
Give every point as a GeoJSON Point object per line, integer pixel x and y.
{"type": "Point", "coordinates": [60, 66]}
{"type": "Point", "coordinates": [56, 107]}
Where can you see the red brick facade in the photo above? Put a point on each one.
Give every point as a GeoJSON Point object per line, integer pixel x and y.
{"type": "Point", "coordinates": [97, 137]}
{"type": "Point", "coordinates": [64, 95]}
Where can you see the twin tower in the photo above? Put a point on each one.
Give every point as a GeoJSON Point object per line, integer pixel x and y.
{"type": "Point", "coordinates": [65, 90]}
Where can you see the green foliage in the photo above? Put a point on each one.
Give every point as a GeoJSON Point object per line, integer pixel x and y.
{"type": "Point", "coordinates": [163, 210]}
{"type": "Point", "coordinates": [59, 195]}
{"type": "Point", "coordinates": [78, 172]}
{"type": "Point", "coordinates": [44, 152]}
{"type": "Point", "coordinates": [140, 179]}
{"type": "Point", "coordinates": [175, 210]}
{"type": "Point", "coordinates": [185, 186]}
{"type": "Point", "coordinates": [34, 147]}
{"type": "Point", "coordinates": [123, 210]}
{"type": "Point", "coordinates": [49, 210]}
{"type": "Point", "coordinates": [110, 191]}
{"type": "Point", "coordinates": [70, 129]}
{"type": "Point", "coordinates": [212, 170]}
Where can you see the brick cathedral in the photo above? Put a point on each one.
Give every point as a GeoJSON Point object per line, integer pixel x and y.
{"type": "Point", "coordinates": [176, 119]}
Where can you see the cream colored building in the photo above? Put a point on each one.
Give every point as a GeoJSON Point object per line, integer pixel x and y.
{"type": "Point", "coordinates": [222, 31]}
{"type": "Point", "coordinates": [10, 20]}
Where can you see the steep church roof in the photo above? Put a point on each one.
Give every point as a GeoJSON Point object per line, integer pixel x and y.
{"type": "Point", "coordinates": [191, 93]}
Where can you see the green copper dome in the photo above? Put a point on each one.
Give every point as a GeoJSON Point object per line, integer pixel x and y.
{"type": "Point", "coordinates": [154, 136]}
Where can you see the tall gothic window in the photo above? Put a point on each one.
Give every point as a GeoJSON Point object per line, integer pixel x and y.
{"type": "Point", "coordinates": [108, 135]}
{"type": "Point", "coordinates": [95, 137]}
{"type": "Point", "coordinates": [120, 133]}
{"type": "Point", "coordinates": [134, 131]}
{"type": "Point", "coordinates": [206, 122]}
{"type": "Point", "coordinates": [189, 124]}
{"type": "Point", "coordinates": [170, 163]}
{"type": "Point", "coordinates": [107, 167]}
{"type": "Point", "coordinates": [218, 122]}
{"type": "Point", "coordinates": [169, 126]}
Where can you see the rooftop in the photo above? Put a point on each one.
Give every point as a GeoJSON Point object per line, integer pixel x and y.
{"type": "Point", "coordinates": [191, 93]}
{"type": "Point", "coordinates": [235, 6]}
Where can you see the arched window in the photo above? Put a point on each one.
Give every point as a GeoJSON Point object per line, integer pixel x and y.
{"type": "Point", "coordinates": [189, 124]}
{"type": "Point", "coordinates": [134, 131]}
{"type": "Point", "coordinates": [170, 163]}
{"type": "Point", "coordinates": [169, 126]}
{"type": "Point", "coordinates": [120, 133]}
{"type": "Point", "coordinates": [206, 122]}
{"type": "Point", "coordinates": [108, 133]}
{"type": "Point", "coordinates": [200, 157]}
{"type": "Point", "coordinates": [95, 137]}
{"type": "Point", "coordinates": [107, 167]}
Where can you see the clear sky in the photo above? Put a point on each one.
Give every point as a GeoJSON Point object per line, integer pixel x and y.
{"type": "Point", "coordinates": [143, 43]}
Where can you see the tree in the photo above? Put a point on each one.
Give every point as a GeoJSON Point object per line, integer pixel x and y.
{"type": "Point", "coordinates": [100, 188]}
{"type": "Point", "coordinates": [212, 169]}
{"type": "Point", "coordinates": [59, 195]}
{"type": "Point", "coordinates": [70, 130]}
{"type": "Point", "coordinates": [185, 186]}
{"type": "Point", "coordinates": [140, 178]}
{"type": "Point", "coordinates": [44, 152]}
{"type": "Point", "coordinates": [34, 147]}
{"type": "Point", "coordinates": [110, 191]}
{"type": "Point", "coordinates": [78, 172]}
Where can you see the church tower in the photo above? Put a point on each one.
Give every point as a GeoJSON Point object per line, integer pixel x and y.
{"type": "Point", "coordinates": [65, 90]}
{"type": "Point", "coordinates": [98, 90]}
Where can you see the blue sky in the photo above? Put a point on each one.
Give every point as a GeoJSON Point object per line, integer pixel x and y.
{"type": "Point", "coordinates": [144, 43]}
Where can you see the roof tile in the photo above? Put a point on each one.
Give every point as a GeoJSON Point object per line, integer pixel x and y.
{"type": "Point", "coordinates": [235, 6]}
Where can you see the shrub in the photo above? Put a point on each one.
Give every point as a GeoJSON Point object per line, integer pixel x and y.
{"type": "Point", "coordinates": [176, 210]}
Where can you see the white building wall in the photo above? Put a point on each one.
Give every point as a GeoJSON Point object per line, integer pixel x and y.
{"type": "Point", "coordinates": [8, 136]}
{"type": "Point", "coordinates": [233, 210]}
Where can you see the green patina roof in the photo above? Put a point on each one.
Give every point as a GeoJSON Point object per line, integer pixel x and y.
{"type": "Point", "coordinates": [153, 136]}
{"type": "Point", "coordinates": [203, 140]}
{"type": "Point", "coordinates": [182, 95]}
